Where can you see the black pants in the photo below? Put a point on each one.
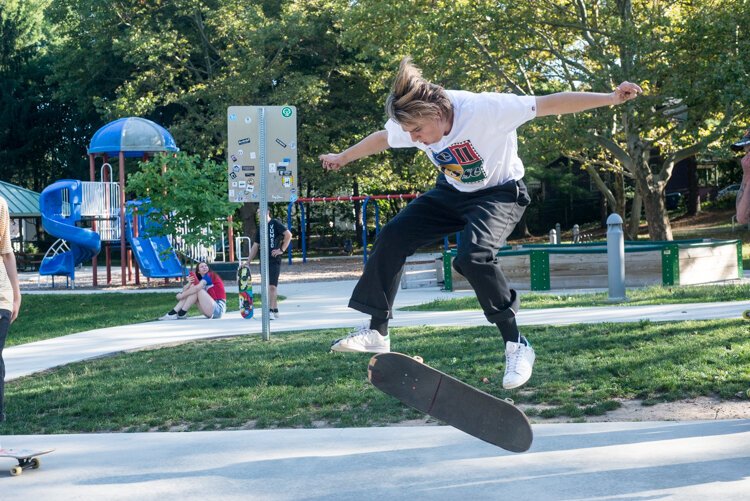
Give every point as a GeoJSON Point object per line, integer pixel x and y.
{"type": "Point", "coordinates": [4, 325]}
{"type": "Point", "coordinates": [484, 218]}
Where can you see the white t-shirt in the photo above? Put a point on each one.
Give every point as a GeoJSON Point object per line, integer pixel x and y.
{"type": "Point", "coordinates": [481, 150]}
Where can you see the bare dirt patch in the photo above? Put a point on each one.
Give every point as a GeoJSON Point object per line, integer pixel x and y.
{"type": "Point", "coordinates": [694, 409]}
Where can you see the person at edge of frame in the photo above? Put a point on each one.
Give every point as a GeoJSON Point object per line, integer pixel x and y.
{"type": "Point", "coordinates": [471, 139]}
{"type": "Point", "coordinates": [742, 204]}
{"type": "Point", "coordinates": [10, 293]}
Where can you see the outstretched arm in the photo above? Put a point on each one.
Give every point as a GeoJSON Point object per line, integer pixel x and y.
{"type": "Point", "coordinates": [372, 144]}
{"type": "Point", "coordinates": [562, 103]}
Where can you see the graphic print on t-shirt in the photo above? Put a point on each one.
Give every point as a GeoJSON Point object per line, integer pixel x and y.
{"type": "Point", "coordinates": [460, 161]}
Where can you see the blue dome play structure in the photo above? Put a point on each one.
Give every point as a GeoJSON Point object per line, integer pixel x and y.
{"type": "Point", "coordinates": [134, 136]}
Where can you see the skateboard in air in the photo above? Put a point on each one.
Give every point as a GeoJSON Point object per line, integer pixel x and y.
{"type": "Point", "coordinates": [245, 287]}
{"type": "Point", "coordinates": [454, 402]}
{"type": "Point", "coordinates": [27, 458]}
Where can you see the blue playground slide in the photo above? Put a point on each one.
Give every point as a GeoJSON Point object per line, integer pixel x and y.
{"type": "Point", "coordinates": [154, 255]}
{"type": "Point", "coordinates": [83, 244]}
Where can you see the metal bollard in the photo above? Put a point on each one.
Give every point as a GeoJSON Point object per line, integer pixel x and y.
{"type": "Point", "coordinates": [616, 258]}
{"type": "Point", "coordinates": [552, 237]}
{"type": "Point", "coordinates": [558, 233]}
{"type": "Point", "coordinates": [576, 234]}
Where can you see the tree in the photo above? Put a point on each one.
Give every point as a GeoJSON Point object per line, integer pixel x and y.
{"type": "Point", "coordinates": [692, 58]}
{"type": "Point", "coordinates": [36, 131]}
{"type": "Point", "coordinates": [183, 195]}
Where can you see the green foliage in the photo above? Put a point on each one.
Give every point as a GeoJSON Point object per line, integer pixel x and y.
{"type": "Point", "coordinates": [183, 192]}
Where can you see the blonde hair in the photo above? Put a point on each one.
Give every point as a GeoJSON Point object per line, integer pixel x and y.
{"type": "Point", "coordinates": [414, 98]}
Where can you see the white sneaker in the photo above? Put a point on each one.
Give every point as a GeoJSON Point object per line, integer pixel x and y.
{"type": "Point", "coordinates": [275, 315]}
{"type": "Point", "coordinates": [363, 340]}
{"type": "Point", "coordinates": [519, 361]}
{"type": "Point", "coordinates": [169, 317]}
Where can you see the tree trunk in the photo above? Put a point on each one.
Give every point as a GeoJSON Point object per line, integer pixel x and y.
{"type": "Point", "coordinates": [659, 228]}
{"type": "Point", "coordinates": [247, 214]}
{"type": "Point", "coordinates": [634, 223]}
{"type": "Point", "coordinates": [693, 202]}
{"type": "Point", "coordinates": [522, 229]}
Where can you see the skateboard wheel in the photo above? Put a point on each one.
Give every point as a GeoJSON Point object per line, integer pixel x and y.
{"type": "Point", "coordinates": [510, 401]}
{"type": "Point", "coordinates": [418, 359]}
{"type": "Point", "coordinates": [35, 463]}
{"type": "Point", "coordinates": [16, 470]}
{"type": "Point", "coordinates": [746, 314]}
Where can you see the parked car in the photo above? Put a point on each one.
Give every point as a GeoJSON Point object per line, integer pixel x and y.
{"type": "Point", "coordinates": [730, 190]}
{"type": "Point", "coordinates": [672, 200]}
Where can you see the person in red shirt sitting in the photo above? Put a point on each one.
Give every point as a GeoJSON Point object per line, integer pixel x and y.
{"type": "Point", "coordinates": [206, 289]}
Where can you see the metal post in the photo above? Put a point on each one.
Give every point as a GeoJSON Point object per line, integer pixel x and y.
{"type": "Point", "coordinates": [558, 233]}
{"type": "Point", "coordinates": [576, 234]}
{"type": "Point", "coordinates": [263, 227]}
{"type": "Point", "coordinates": [552, 237]}
{"type": "Point", "coordinates": [364, 230]}
{"type": "Point", "coordinates": [303, 235]}
{"type": "Point", "coordinates": [289, 208]}
{"type": "Point", "coordinates": [616, 258]}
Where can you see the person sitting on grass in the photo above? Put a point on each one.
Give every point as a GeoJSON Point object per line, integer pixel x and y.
{"type": "Point", "coordinates": [206, 289]}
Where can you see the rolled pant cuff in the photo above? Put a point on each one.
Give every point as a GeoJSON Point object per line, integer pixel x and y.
{"type": "Point", "coordinates": [369, 310]}
{"type": "Point", "coordinates": [507, 313]}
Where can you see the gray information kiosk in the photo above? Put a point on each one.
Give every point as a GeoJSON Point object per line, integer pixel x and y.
{"type": "Point", "coordinates": [262, 168]}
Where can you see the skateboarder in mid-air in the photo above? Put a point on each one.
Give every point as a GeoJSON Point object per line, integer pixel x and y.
{"type": "Point", "coordinates": [471, 140]}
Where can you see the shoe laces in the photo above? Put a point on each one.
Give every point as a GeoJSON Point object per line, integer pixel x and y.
{"type": "Point", "coordinates": [514, 357]}
{"type": "Point", "coordinates": [364, 326]}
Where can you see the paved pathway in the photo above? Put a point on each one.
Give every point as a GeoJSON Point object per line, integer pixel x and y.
{"type": "Point", "coordinates": [634, 461]}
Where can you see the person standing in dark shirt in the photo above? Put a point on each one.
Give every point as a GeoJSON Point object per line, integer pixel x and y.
{"type": "Point", "coordinates": [279, 237]}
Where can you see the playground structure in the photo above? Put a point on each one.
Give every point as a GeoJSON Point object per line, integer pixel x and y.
{"type": "Point", "coordinates": [67, 205]}
{"type": "Point", "coordinates": [543, 267]}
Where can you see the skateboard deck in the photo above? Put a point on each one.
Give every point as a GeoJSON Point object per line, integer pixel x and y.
{"type": "Point", "coordinates": [27, 458]}
{"type": "Point", "coordinates": [454, 402]}
{"type": "Point", "coordinates": [245, 287]}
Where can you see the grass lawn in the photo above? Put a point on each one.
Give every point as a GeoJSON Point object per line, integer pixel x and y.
{"type": "Point", "coordinates": [636, 297]}
{"type": "Point", "coordinates": [293, 381]}
{"type": "Point", "coordinates": [44, 316]}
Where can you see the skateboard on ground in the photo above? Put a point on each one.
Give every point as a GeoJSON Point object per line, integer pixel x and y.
{"type": "Point", "coordinates": [27, 458]}
{"type": "Point", "coordinates": [245, 287]}
{"type": "Point", "coordinates": [443, 397]}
